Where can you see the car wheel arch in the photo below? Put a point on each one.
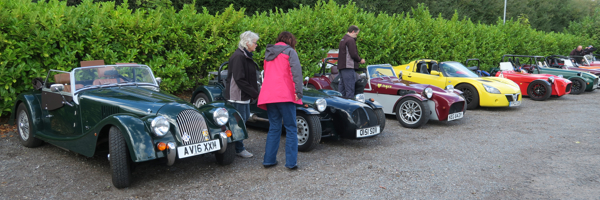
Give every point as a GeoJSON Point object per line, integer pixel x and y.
{"type": "Point", "coordinates": [130, 127]}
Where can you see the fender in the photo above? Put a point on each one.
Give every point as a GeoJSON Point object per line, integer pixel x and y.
{"type": "Point", "coordinates": [320, 83]}
{"type": "Point", "coordinates": [373, 104]}
{"type": "Point", "coordinates": [331, 92]}
{"type": "Point", "coordinates": [139, 140]}
{"type": "Point", "coordinates": [417, 96]}
{"type": "Point", "coordinates": [237, 127]}
{"type": "Point", "coordinates": [214, 93]}
{"type": "Point", "coordinates": [29, 100]}
{"type": "Point", "coordinates": [308, 111]}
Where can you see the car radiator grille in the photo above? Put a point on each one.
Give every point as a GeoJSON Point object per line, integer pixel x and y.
{"type": "Point", "coordinates": [364, 117]}
{"type": "Point", "coordinates": [191, 123]}
{"type": "Point", "coordinates": [596, 81]}
{"type": "Point", "coordinates": [456, 107]}
{"type": "Point", "coordinates": [512, 97]}
{"type": "Point", "coordinates": [568, 87]}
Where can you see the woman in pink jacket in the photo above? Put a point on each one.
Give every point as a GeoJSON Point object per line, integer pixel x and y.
{"type": "Point", "coordinates": [281, 89]}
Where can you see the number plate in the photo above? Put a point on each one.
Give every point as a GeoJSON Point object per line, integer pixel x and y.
{"type": "Point", "coordinates": [198, 149]}
{"type": "Point", "coordinates": [454, 116]}
{"type": "Point", "coordinates": [366, 132]}
{"type": "Point", "coordinates": [514, 103]}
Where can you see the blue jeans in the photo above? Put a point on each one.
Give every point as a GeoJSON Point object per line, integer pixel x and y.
{"type": "Point", "coordinates": [278, 113]}
{"type": "Point", "coordinates": [244, 110]}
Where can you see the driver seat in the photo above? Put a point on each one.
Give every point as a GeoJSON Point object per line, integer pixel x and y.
{"type": "Point", "coordinates": [334, 72]}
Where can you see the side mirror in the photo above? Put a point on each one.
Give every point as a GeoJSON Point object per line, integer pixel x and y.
{"type": "Point", "coordinates": [363, 75]}
{"type": "Point", "coordinates": [306, 79]}
{"type": "Point", "coordinates": [57, 87]}
{"type": "Point", "coordinates": [400, 75]}
{"type": "Point", "coordinates": [435, 73]}
{"type": "Point", "coordinates": [158, 80]}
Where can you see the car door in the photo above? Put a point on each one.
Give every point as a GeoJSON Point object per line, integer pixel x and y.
{"type": "Point", "coordinates": [421, 73]}
{"type": "Point", "coordinates": [61, 121]}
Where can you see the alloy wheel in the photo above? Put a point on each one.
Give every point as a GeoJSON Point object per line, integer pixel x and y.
{"type": "Point", "coordinates": [411, 112]}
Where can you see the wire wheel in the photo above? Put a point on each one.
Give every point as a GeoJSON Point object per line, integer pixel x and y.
{"type": "Point", "coordinates": [200, 100]}
{"type": "Point", "coordinates": [23, 125]}
{"type": "Point", "coordinates": [410, 112]}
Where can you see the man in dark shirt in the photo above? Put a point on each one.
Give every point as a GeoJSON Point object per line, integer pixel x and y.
{"type": "Point", "coordinates": [576, 54]}
{"type": "Point", "coordinates": [348, 60]}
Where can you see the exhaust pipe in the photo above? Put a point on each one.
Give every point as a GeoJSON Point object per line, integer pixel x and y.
{"type": "Point", "coordinates": [254, 118]}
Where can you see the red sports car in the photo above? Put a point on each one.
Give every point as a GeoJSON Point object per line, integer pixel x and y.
{"type": "Point", "coordinates": [413, 104]}
{"type": "Point", "coordinates": [538, 87]}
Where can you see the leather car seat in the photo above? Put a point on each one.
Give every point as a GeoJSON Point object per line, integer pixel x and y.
{"type": "Point", "coordinates": [108, 79]}
{"type": "Point", "coordinates": [334, 72]}
{"type": "Point", "coordinates": [424, 68]}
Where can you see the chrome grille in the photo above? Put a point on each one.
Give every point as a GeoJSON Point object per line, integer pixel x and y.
{"type": "Point", "coordinates": [191, 123]}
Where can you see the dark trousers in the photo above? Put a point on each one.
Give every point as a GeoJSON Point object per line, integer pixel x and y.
{"type": "Point", "coordinates": [244, 110]}
{"type": "Point", "coordinates": [347, 81]}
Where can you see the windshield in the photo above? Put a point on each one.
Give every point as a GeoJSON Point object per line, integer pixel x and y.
{"type": "Point", "coordinates": [380, 71]}
{"type": "Point", "coordinates": [111, 75]}
{"type": "Point", "coordinates": [455, 69]}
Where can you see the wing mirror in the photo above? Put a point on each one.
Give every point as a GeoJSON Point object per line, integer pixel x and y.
{"type": "Point", "coordinates": [158, 80]}
{"type": "Point", "coordinates": [435, 73]}
{"type": "Point", "coordinates": [57, 87]}
{"type": "Point", "coordinates": [400, 75]}
{"type": "Point", "coordinates": [306, 79]}
{"type": "Point", "coordinates": [363, 75]}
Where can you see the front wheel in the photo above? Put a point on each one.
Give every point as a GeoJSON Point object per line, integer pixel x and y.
{"type": "Point", "coordinates": [578, 86]}
{"type": "Point", "coordinates": [380, 118]}
{"type": "Point", "coordinates": [120, 163]}
{"type": "Point", "coordinates": [24, 128]}
{"type": "Point", "coordinates": [200, 100]}
{"type": "Point", "coordinates": [470, 95]}
{"type": "Point", "coordinates": [226, 157]}
{"type": "Point", "coordinates": [309, 131]}
{"type": "Point", "coordinates": [539, 90]}
{"type": "Point", "coordinates": [412, 113]}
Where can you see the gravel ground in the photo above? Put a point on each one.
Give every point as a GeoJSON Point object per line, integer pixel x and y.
{"type": "Point", "coordinates": [541, 150]}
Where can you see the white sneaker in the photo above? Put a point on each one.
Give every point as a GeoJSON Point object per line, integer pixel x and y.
{"type": "Point", "coordinates": [245, 154]}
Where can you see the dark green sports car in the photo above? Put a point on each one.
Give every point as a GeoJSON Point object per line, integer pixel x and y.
{"type": "Point", "coordinates": [323, 113]}
{"type": "Point", "coordinates": [120, 111]}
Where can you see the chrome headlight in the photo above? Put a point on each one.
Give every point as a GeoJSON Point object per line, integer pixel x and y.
{"type": "Point", "coordinates": [221, 116]}
{"type": "Point", "coordinates": [428, 92]}
{"type": "Point", "coordinates": [551, 79]}
{"type": "Point", "coordinates": [450, 88]}
{"type": "Point", "coordinates": [491, 89]}
{"type": "Point", "coordinates": [321, 105]}
{"type": "Point", "coordinates": [560, 75]}
{"type": "Point", "coordinates": [360, 98]}
{"type": "Point", "coordinates": [160, 126]}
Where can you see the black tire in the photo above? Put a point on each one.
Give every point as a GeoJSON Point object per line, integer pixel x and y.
{"type": "Point", "coordinates": [380, 119]}
{"type": "Point", "coordinates": [25, 128]}
{"type": "Point", "coordinates": [309, 131]}
{"type": "Point", "coordinates": [120, 162]}
{"type": "Point", "coordinates": [311, 86]}
{"type": "Point", "coordinates": [578, 86]}
{"type": "Point", "coordinates": [470, 95]}
{"type": "Point", "coordinates": [200, 100]}
{"type": "Point", "coordinates": [412, 113]}
{"type": "Point", "coordinates": [539, 90]}
{"type": "Point", "coordinates": [226, 157]}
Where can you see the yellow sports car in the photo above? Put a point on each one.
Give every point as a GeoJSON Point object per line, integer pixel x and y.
{"type": "Point", "coordinates": [478, 91]}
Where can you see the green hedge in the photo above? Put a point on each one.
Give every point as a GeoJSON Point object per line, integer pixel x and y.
{"type": "Point", "coordinates": [183, 46]}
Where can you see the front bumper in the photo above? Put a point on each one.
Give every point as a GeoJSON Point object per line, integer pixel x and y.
{"type": "Point", "coordinates": [498, 100]}
{"type": "Point", "coordinates": [346, 124]}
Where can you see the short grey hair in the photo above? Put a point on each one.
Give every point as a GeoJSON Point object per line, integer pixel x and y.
{"type": "Point", "coordinates": [246, 38]}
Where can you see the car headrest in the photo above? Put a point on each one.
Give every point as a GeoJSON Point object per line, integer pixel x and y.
{"type": "Point", "coordinates": [91, 63]}
{"type": "Point", "coordinates": [334, 69]}
{"type": "Point", "coordinates": [510, 60]}
{"type": "Point", "coordinates": [62, 78]}
{"type": "Point", "coordinates": [424, 68]}
{"type": "Point", "coordinates": [517, 61]}
{"type": "Point", "coordinates": [106, 72]}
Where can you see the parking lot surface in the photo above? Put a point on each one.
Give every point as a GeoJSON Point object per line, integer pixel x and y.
{"type": "Point", "coordinates": [548, 149]}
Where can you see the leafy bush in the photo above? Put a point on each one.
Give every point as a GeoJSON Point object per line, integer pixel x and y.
{"type": "Point", "coordinates": [182, 46]}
